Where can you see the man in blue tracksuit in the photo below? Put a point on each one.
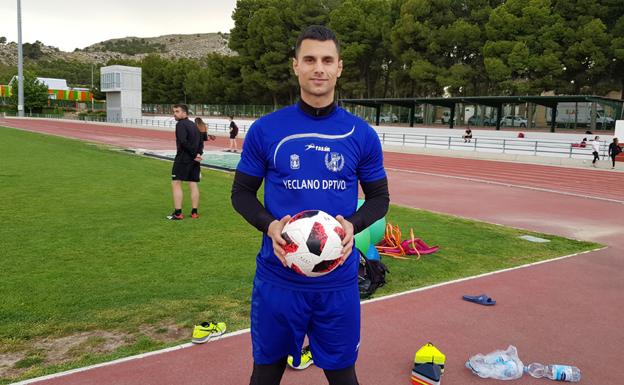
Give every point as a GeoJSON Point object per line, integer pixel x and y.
{"type": "Point", "coordinates": [311, 156]}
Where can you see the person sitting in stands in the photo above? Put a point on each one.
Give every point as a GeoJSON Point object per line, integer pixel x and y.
{"type": "Point", "coordinates": [468, 135]}
{"type": "Point", "coordinates": [583, 143]}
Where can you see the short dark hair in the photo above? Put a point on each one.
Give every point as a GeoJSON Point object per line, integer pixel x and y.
{"type": "Point", "coordinates": [317, 32]}
{"type": "Point", "coordinates": [183, 107]}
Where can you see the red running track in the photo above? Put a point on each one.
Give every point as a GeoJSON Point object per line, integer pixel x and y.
{"type": "Point", "coordinates": [115, 135]}
{"type": "Point", "coordinates": [565, 311]}
{"type": "Point", "coordinates": [590, 182]}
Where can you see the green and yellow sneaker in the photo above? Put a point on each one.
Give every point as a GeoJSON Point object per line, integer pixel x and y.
{"type": "Point", "coordinates": [306, 359]}
{"type": "Point", "coordinates": [206, 331]}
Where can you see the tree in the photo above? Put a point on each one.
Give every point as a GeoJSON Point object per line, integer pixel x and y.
{"type": "Point", "coordinates": [247, 38]}
{"type": "Point", "coordinates": [35, 92]}
{"type": "Point", "coordinates": [218, 81]}
{"type": "Point", "coordinates": [524, 51]}
{"type": "Point", "coordinates": [264, 35]}
{"type": "Point", "coordinates": [6, 73]}
{"type": "Point", "coordinates": [77, 73]}
{"type": "Point", "coordinates": [390, 48]}
{"type": "Point", "coordinates": [437, 42]}
{"type": "Point", "coordinates": [32, 51]}
{"type": "Point", "coordinates": [361, 26]}
{"type": "Point", "coordinates": [585, 44]}
{"type": "Point", "coordinates": [617, 49]}
{"type": "Point", "coordinates": [133, 46]}
{"type": "Point", "coordinates": [272, 52]}
{"type": "Point", "coordinates": [3, 40]}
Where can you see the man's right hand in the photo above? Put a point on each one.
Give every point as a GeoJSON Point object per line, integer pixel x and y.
{"type": "Point", "coordinates": [275, 233]}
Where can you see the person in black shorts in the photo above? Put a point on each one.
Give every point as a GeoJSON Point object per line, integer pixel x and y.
{"type": "Point", "coordinates": [313, 155]}
{"type": "Point", "coordinates": [233, 134]}
{"type": "Point", "coordinates": [186, 165]}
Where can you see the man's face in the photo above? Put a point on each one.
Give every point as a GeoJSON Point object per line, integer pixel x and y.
{"type": "Point", "coordinates": [317, 67]}
{"type": "Point", "coordinates": [179, 113]}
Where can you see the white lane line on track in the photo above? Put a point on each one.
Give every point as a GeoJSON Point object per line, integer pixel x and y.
{"type": "Point", "coordinates": [507, 185]}
{"type": "Point", "coordinates": [244, 331]}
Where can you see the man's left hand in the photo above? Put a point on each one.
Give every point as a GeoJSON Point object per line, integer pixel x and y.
{"type": "Point", "coordinates": [347, 242]}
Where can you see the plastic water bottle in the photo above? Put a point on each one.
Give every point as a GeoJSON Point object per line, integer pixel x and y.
{"type": "Point", "coordinates": [554, 372]}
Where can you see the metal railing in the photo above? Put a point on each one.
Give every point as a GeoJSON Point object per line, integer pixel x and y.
{"type": "Point", "coordinates": [212, 127]}
{"type": "Point", "coordinates": [494, 145]}
{"type": "Point", "coordinates": [483, 144]}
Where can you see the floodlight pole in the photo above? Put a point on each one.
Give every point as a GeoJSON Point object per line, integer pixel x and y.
{"type": "Point", "coordinates": [20, 63]}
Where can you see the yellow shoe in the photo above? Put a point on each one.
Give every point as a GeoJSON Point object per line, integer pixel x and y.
{"type": "Point", "coordinates": [206, 331]}
{"type": "Point", "coordinates": [306, 359]}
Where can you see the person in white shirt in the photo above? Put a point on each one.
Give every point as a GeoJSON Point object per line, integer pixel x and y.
{"type": "Point", "coordinates": [595, 149]}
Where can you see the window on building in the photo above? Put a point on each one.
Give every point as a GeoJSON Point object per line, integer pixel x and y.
{"type": "Point", "coordinates": [111, 80]}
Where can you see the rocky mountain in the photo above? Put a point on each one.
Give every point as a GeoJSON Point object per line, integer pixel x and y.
{"type": "Point", "coordinates": [135, 48]}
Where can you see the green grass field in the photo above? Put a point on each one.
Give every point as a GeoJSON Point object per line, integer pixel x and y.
{"type": "Point", "coordinates": [91, 271]}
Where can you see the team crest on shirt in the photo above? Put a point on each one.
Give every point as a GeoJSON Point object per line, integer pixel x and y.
{"type": "Point", "coordinates": [295, 163]}
{"type": "Point", "coordinates": [334, 161]}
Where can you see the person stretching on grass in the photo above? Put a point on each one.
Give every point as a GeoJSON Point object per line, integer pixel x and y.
{"type": "Point", "coordinates": [311, 141]}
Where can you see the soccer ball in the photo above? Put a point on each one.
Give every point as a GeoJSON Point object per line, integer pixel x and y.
{"type": "Point", "coordinates": [313, 243]}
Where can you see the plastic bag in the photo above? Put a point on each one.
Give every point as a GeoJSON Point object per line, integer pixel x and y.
{"type": "Point", "coordinates": [500, 364]}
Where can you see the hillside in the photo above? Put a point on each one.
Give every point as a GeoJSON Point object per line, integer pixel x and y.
{"type": "Point", "coordinates": [170, 46]}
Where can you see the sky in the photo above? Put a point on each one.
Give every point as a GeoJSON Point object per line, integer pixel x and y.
{"type": "Point", "coordinates": [78, 24]}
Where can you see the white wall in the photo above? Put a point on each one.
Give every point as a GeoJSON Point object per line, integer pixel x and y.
{"type": "Point", "coordinates": [619, 130]}
{"type": "Point", "coordinates": [127, 98]}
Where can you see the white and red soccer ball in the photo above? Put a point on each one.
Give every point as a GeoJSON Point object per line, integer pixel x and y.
{"type": "Point", "coordinates": [313, 243]}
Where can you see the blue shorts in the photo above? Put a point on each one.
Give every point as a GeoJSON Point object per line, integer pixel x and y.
{"type": "Point", "coordinates": [281, 318]}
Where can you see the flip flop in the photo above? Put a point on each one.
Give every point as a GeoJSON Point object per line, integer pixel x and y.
{"type": "Point", "coordinates": [480, 299]}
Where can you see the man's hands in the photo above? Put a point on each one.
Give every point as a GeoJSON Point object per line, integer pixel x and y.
{"type": "Point", "coordinates": [198, 158]}
{"type": "Point", "coordinates": [347, 242]}
{"type": "Point", "coordinates": [275, 233]}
